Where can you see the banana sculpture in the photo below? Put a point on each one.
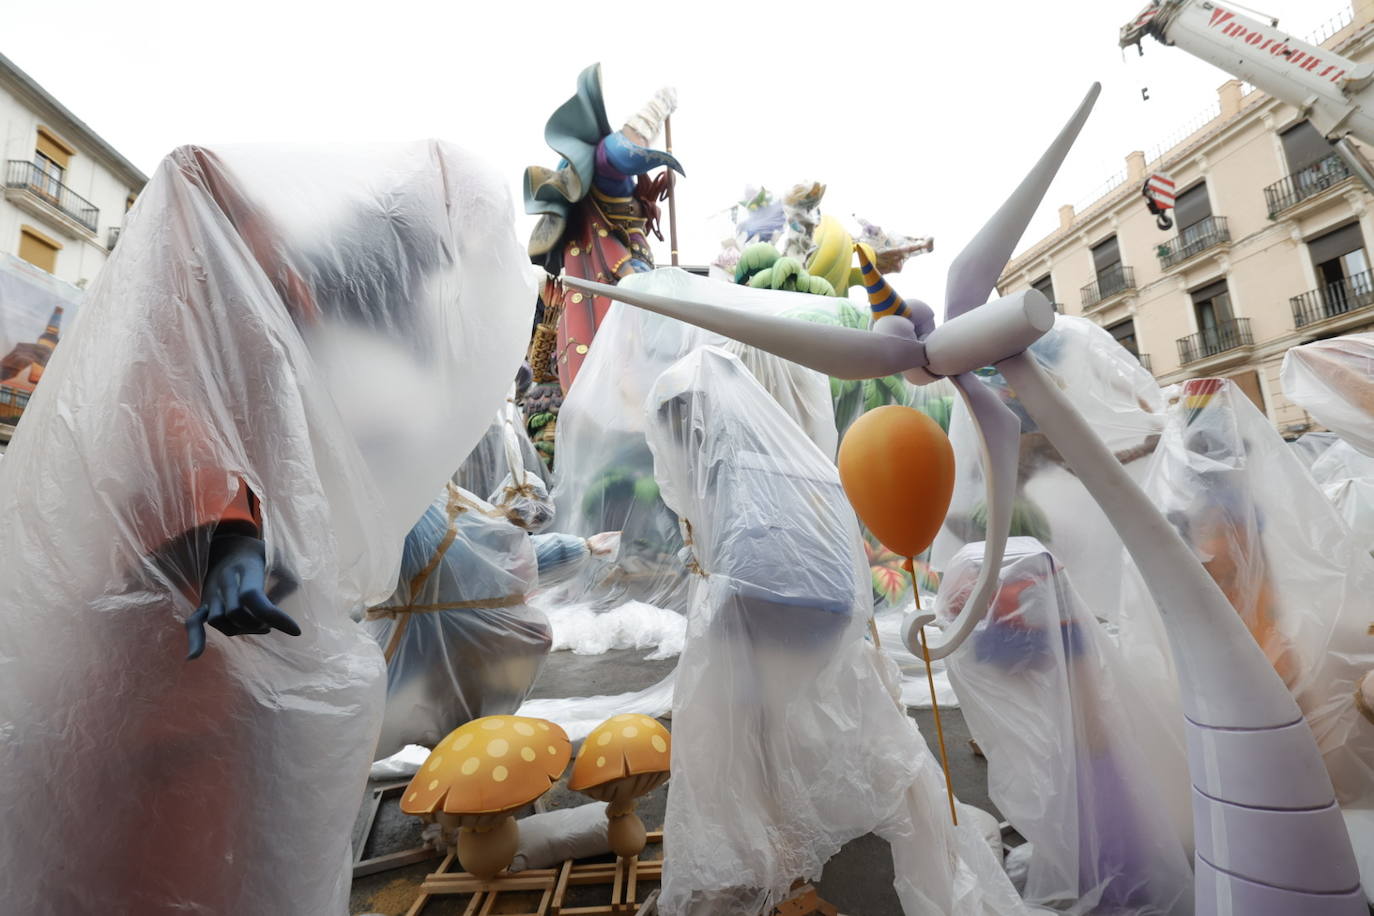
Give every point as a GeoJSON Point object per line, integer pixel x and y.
{"type": "Point", "coordinates": [1270, 839]}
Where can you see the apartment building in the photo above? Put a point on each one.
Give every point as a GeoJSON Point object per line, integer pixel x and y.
{"type": "Point", "coordinates": [1268, 248]}
{"type": "Point", "coordinates": [66, 190]}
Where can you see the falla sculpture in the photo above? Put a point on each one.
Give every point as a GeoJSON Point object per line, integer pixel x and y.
{"type": "Point", "coordinates": [1269, 836]}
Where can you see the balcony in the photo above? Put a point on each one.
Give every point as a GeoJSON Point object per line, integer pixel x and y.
{"type": "Point", "coordinates": [1308, 182]}
{"type": "Point", "coordinates": [1110, 282]}
{"type": "Point", "coordinates": [1333, 300]}
{"type": "Point", "coordinates": [112, 238]}
{"type": "Point", "coordinates": [1227, 335]}
{"type": "Point", "coordinates": [27, 183]}
{"type": "Point", "coordinates": [1196, 239]}
{"type": "Point", "coordinates": [1145, 361]}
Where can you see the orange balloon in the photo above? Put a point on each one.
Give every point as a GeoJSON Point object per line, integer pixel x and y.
{"type": "Point", "coordinates": [897, 467]}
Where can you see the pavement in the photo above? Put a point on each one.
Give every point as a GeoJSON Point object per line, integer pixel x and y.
{"type": "Point", "coordinates": [858, 880]}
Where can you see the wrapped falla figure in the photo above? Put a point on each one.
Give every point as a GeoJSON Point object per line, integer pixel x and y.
{"type": "Point", "coordinates": [787, 740]}
{"type": "Point", "coordinates": [1124, 405]}
{"type": "Point", "coordinates": [459, 638]}
{"type": "Point", "coordinates": [1333, 380]}
{"type": "Point", "coordinates": [261, 395]}
{"type": "Point", "coordinates": [1099, 793]}
{"type": "Point", "coordinates": [605, 478]}
{"type": "Point", "coordinates": [1290, 568]}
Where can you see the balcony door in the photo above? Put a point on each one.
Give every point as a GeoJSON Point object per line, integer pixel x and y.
{"type": "Point", "coordinates": [1107, 265]}
{"type": "Point", "coordinates": [1192, 215]}
{"type": "Point", "coordinates": [1212, 306]}
{"type": "Point", "coordinates": [1124, 334]}
{"type": "Point", "coordinates": [1045, 287]}
{"type": "Point", "coordinates": [1342, 269]}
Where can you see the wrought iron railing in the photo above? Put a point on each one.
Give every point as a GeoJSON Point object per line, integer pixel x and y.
{"type": "Point", "coordinates": [1296, 187]}
{"type": "Point", "coordinates": [1227, 335]}
{"type": "Point", "coordinates": [1109, 282]}
{"type": "Point", "coordinates": [1349, 295]}
{"type": "Point", "coordinates": [41, 184]}
{"type": "Point", "coordinates": [1196, 239]}
{"type": "Point", "coordinates": [113, 238]}
{"type": "Point", "coordinates": [1145, 361]}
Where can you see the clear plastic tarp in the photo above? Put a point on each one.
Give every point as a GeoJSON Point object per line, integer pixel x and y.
{"type": "Point", "coordinates": [459, 638]}
{"type": "Point", "coordinates": [36, 308]}
{"type": "Point", "coordinates": [604, 478]}
{"type": "Point", "coordinates": [1283, 557]}
{"type": "Point", "coordinates": [505, 469]}
{"type": "Point", "coordinates": [332, 327]}
{"type": "Point", "coordinates": [1124, 406]}
{"type": "Point", "coordinates": [787, 740]}
{"type": "Point", "coordinates": [1081, 760]}
{"type": "Point", "coordinates": [1333, 380]}
{"type": "Point", "coordinates": [1346, 476]}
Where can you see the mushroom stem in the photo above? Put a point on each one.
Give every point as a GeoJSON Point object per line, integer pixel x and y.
{"type": "Point", "coordinates": [484, 852]}
{"type": "Point", "coordinates": [624, 830]}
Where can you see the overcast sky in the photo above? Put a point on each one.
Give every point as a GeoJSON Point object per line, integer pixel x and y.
{"type": "Point", "coordinates": [920, 116]}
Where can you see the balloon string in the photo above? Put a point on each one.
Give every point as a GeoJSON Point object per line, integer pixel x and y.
{"type": "Point", "coordinates": [934, 703]}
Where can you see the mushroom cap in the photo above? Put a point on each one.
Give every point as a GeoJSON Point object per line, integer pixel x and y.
{"type": "Point", "coordinates": [488, 766]}
{"type": "Point", "coordinates": [624, 746]}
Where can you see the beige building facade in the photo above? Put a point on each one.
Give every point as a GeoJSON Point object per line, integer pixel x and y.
{"type": "Point", "coordinates": [1270, 247]}
{"type": "Point", "coordinates": [66, 190]}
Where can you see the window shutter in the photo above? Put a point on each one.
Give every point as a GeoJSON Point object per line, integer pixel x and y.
{"type": "Point", "coordinates": [38, 249]}
{"type": "Point", "coordinates": [50, 145]}
{"type": "Point", "coordinates": [1336, 243]}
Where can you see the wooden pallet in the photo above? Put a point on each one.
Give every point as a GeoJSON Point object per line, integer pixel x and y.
{"type": "Point", "coordinates": [625, 877]}
{"type": "Point", "coordinates": [362, 832]}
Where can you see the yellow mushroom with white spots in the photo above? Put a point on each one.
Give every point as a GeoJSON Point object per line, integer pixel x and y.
{"type": "Point", "coordinates": [480, 775]}
{"type": "Point", "coordinates": [624, 758]}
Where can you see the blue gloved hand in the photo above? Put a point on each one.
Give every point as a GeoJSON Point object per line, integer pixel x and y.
{"type": "Point", "coordinates": [234, 596]}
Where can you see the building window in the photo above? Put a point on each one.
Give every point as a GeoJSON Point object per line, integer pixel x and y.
{"type": "Point", "coordinates": [47, 176]}
{"type": "Point", "coordinates": [1107, 264]}
{"type": "Point", "coordinates": [1192, 208]}
{"type": "Point", "coordinates": [129, 202]}
{"type": "Point", "coordinates": [1124, 333]}
{"type": "Point", "coordinates": [1303, 145]}
{"type": "Point", "coordinates": [1212, 305]}
{"type": "Point", "coordinates": [1342, 268]}
{"type": "Point", "coordinates": [38, 249]}
{"type": "Point", "coordinates": [51, 158]}
{"type": "Point", "coordinates": [1045, 287]}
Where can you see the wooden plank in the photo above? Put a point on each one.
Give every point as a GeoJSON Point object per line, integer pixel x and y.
{"type": "Point", "coordinates": [394, 860]}
{"type": "Point", "coordinates": [561, 887]}
{"type": "Point", "coordinates": [650, 905]}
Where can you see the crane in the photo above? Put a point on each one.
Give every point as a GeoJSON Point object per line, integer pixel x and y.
{"type": "Point", "coordinates": [1334, 93]}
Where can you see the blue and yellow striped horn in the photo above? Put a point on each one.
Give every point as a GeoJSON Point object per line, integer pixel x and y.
{"type": "Point", "coordinates": [882, 298]}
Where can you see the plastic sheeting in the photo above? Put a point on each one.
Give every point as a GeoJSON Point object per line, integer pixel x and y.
{"type": "Point", "coordinates": [460, 641]}
{"type": "Point", "coordinates": [1124, 406]}
{"type": "Point", "coordinates": [1346, 476]}
{"type": "Point", "coordinates": [582, 630]}
{"type": "Point", "coordinates": [504, 454]}
{"type": "Point", "coordinates": [1281, 554]}
{"type": "Point", "coordinates": [579, 715]}
{"type": "Point", "coordinates": [35, 308]}
{"type": "Point", "coordinates": [1310, 446]}
{"type": "Point", "coordinates": [604, 478]}
{"type": "Point", "coordinates": [333, 327]}
{"type": "Point", "coordinates": [1080, 758]}
{"type": "Point", "coordinates": [787, 740]}
{"type": "Point", "coordinates": [1333, 380]}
